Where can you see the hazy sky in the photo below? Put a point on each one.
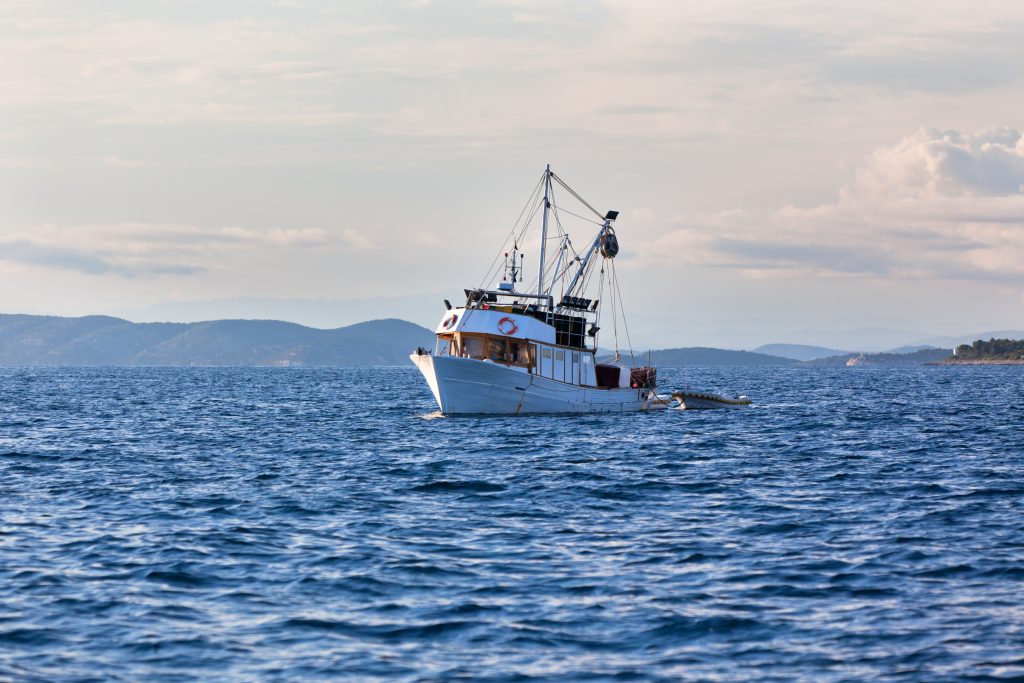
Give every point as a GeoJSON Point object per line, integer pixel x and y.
{"type": "Point", "coordinates": [780, 167]}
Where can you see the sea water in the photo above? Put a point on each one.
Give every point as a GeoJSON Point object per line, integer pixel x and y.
{"type": "Point", "coordinates": [282, 524]}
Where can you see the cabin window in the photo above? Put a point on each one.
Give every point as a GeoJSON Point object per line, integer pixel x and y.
{"type": "Point", "coordinates": [575, 357]}
{"type": "Point", "coordinates": [560, 355]}
{"type": "Point", "coordinates": [496, 350]}
{"type": "Point", "coordinates": [473, 347]}
{"type": "Point", "coordinates": [520, 353]}
{"type": "Point", "coordinates": [547, 353]}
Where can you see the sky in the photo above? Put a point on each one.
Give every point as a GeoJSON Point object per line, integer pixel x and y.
{"type": "Point", "coordinates": [785, 171]}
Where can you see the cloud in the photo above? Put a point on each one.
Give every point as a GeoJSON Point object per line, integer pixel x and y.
{"type": "Point", "coordinates": [297, 237]}
{"type": "Point", "coordinates": [356, 239]}
{"type": "Point", "coordinates": [67, 258]}
{"type": "Point", "coordinates": [896, 48]}
{"type": "Point", "coordinates": [934, 163]}
{"type": "Point", "coordinates": [938, 204]}
{"type": "Point", "coordinates": [126, 67]}
{"type": "Point", "coordinates": [116, 161]}
{"type": "Point", "coordinates": [134, 249]}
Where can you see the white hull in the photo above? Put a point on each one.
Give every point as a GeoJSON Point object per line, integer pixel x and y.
{"type": "Point", "coordinates": [464, 386]}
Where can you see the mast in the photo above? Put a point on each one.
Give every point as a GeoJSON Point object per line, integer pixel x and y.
{"type": "Point", "coordinates": [558, 264]}
{"type": "Point", "coordinates": [544, 232]}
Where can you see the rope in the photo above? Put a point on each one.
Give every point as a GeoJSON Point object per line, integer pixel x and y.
{"type": "Point", "coordinates": [582, 218]}
{"type": "Point", "coordinates": [578, 198]}
{"type": "Point", "coordinates": [511, 233]}
{"type": "Point", "coordinates": [545, 266]}
{"type": "Point", "coordinates": [492, 271]}
{"type": "Point", "coordinates": [565, 247]}
{"type": "Point", "coordinates": [562, 236]}
{"type": "Point", "coordinates": [597, 313]}
{"type": "Point", "coordinates": [615, 312]}
{"type": "Point", "coordinates": [625, 325]}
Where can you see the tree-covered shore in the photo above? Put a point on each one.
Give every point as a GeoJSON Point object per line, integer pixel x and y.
{"type": "Point", "coordinates": [1008, 351]}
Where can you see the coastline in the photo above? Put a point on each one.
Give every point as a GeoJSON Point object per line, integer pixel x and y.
{"type": "Point", "coordinates": [994, 361]}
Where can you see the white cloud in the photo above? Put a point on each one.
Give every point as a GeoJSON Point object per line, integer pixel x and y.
{"type": "Point", "coordinates": [116, 161]}
{"type": "Point", "coordinates": [132, 249]}
{"type": "Point", "coordinates": [934, 163]}
{"type": "Point", "coordinates": [298, 237]}
{"type": "Point", "coordinates": [88, 261]}
{"type": "Point", "coordinates": [356, 239]}
{"type": "Point", "coordinates": [938, 204]}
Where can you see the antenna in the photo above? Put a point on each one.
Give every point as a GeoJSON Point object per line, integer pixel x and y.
{"type": "Point", "coordinates": [513, 270]}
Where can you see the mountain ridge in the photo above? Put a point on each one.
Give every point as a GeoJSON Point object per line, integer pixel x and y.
{"type": "Point", "coordinates": [920, 357]}
{"type": "Point", "coordinates": [101, 340]}
{"type": "Point", "coordinates": [104, 340]}
{"type": "Point", "coordinates": [801, 352]}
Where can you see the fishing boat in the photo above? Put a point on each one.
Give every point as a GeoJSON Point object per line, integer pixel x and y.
{"type": "Point", "coordinates": [513, 349]}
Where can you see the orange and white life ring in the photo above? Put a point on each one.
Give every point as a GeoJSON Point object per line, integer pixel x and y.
{"type": "Point", "coordinates": [507, 325]}
{"type": "Point", "coordinates": [450, 322]}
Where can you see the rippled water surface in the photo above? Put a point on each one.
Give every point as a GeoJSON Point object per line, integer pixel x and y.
{"type": "Point", "coordinates": [240, 524]}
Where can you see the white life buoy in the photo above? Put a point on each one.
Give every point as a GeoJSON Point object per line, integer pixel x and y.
{"type": "Point", "coordinates": [507, 325]}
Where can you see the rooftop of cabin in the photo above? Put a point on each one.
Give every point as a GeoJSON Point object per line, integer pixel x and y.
{"type": "Point", "coordinates": [483, 298]}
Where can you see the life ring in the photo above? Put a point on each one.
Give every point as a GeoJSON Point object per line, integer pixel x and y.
{"type": "Point", "coordinates": [504, 325]}
{"type": "Point", "coordinates": [450, 322]}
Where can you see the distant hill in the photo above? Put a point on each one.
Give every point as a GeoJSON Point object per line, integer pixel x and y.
{"type": "Point", "coordinates": [798, 351]}
{"type": "Point", "coordinates": [912, 348]}
{"type": "Point", "coordinates": [872, 339]}
{"type": "Point", "coordinates": [701, 355]}
{"type": "Point", "coordinates": [920, 357]}
{"type": "Point", "coordinates": [32, 340]}
{"type": "Point", "coordinates": [27, 340]}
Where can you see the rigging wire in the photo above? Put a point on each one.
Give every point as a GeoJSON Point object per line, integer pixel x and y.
{"type": "Point", "coordinates": [625, 325]}
{"type": "Point", "coordinates": [556, 253]}
{"type": "Point", "coordinates": [560, 253]}
{"type": "Point", "coordinates": [580, 199]}
{"type": "Point", "coordinates": [582, 218]}
{"type": "Point", "coordinates": [615, 312]}
{"type": "Point", "coordinates": [575, 259]}
{"type": "Point", "coordinates": [607, 270]}
{"type": "Point", "coordinates": [511, 234]}
{"type": "Point", "coordinates": [597, 313]}
{"type": "Point", "coordinates": [563, 237]}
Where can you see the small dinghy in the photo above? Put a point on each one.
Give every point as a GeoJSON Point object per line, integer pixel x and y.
{"type": "Point", "coordinates": [702, 400]}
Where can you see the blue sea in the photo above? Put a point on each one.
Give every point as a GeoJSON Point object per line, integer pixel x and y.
{"type": "Point", "coordinates": [322, 524]}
